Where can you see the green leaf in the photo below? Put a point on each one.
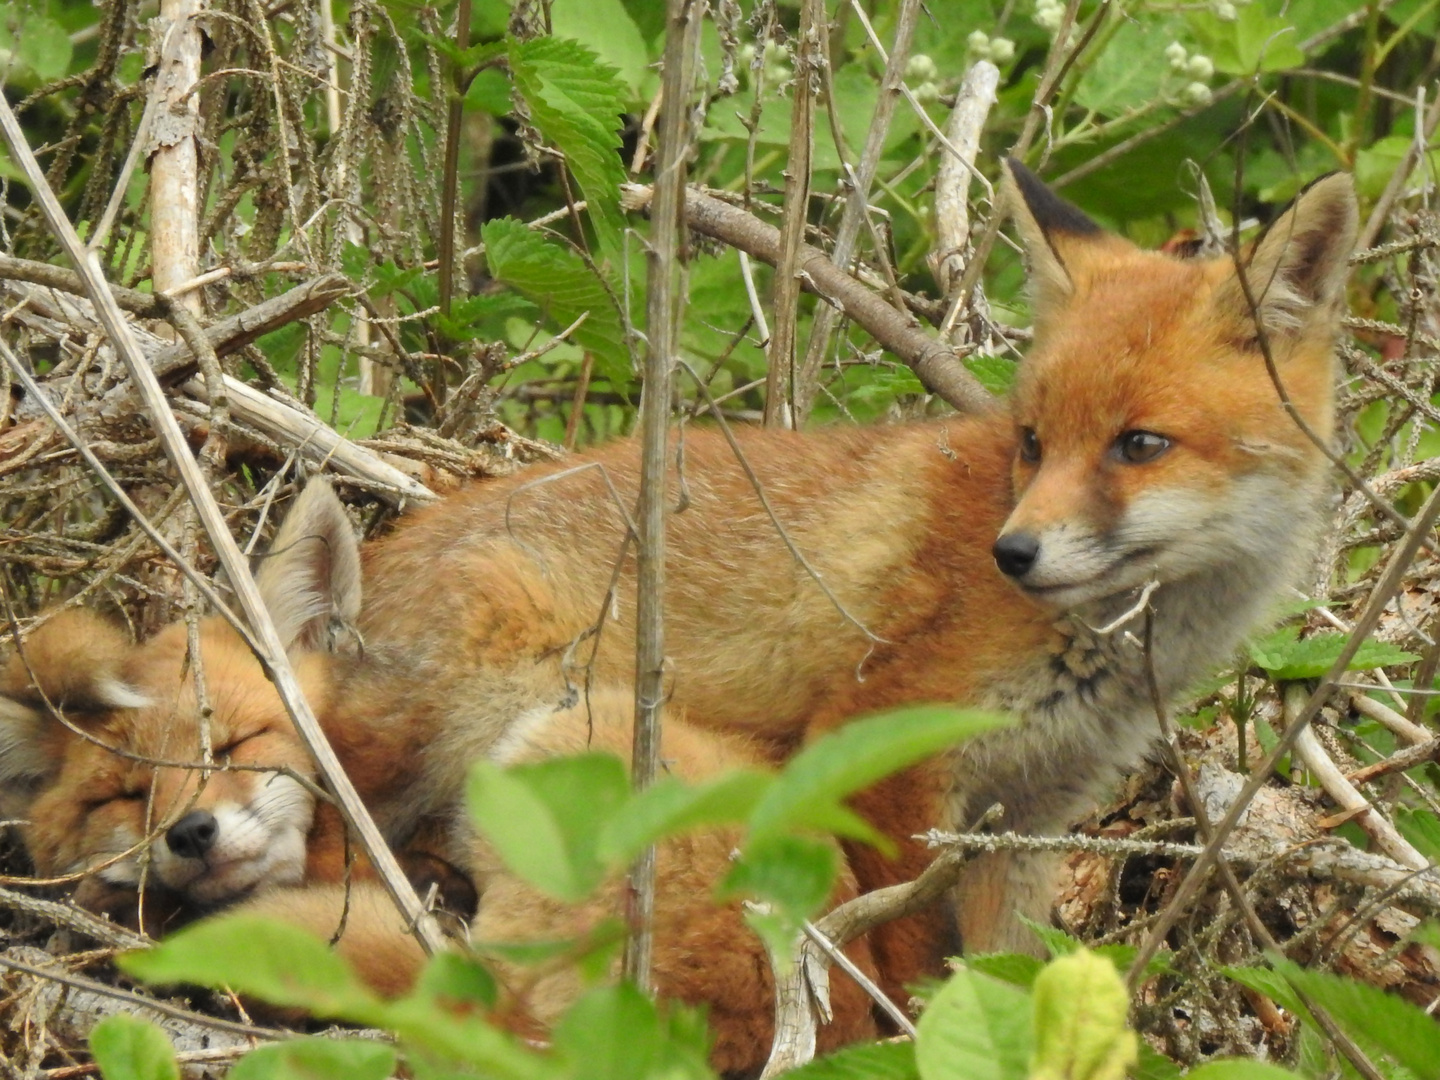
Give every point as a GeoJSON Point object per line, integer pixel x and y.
{"type": "Point", "coordinates": [995, 373]}
{"type": "Point", "coordinates": [808, 793]}
{"type": "Point", "coordinates": [1253, 41]}
{"type": "Point", "coordinates": [1014, 968]}
{"type": "Point", "coordinates": [1130, 70]}
{"type": "Point", "coordinates": [976, 1028]}
{"type": "Point", "coordinates": [1240, 1069]}
{"type": "Point", "coordinates": [1284, 655]}
{"type": "Point", "coordinates": [128, 1048]}
{"type": "Point", "coordinates": [576, 101]}
{"type": "Point", "coordinates": [317, 1059]}
{"type": "Point", "coordinates": [794, 874]}
{"type": "Point", "coordinates": [559, 281]}
{"type": "Point", "coordinates": [454, 979]}
{"type": "Point", "coordinates": [545, 819]}
{"type": "Point", "coordinates": [606, 27]}
{"type": "Point", "coordinates": [670, 806]}
{"type": "Point", "coordinates": [616, 1033]}
{"type": "Point", "coordinates": [1154, 1065]}
{"type": "Point", "coordinates": [1080, 1032]}
{"type": "Point", "coordinates": [269, 960]}
{"type": "Point", "coordinates": [44, 47]}
{"type": "Point", "coordinates": [1372, 1017]}
{"type": "Point", "coordinates": [871, 1061]}
{"type": "Point", "coordinates": [463, 1039]}
{"type": "Point", "coordinates": [482, 318]}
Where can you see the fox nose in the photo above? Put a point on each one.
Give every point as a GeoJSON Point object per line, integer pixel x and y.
{"type": "Point", "coordinates": [193, 835]}
{"type": "Point", "coordinates": [1015, 553]}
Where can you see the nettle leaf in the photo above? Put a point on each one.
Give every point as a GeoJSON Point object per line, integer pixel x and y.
{"type": "Point", "coordinates": [1285, 655]}
{"type": "Point", "coordinates": [1131, 70]}
{"type": "Point", "coordinates": [670, 806]}
{"type": "Point", "coordinates": [559, 281]}
{"type": "Point", "coordinates": [482, 318]}
{"type": "Point", "coordinates": [1372, 1017]}
{"type": "Point", "coordinates": [976, 1028]}
{"type": "Point", "coordinates": [128, 1048]}
{"type": "Point", "coordinates": [808, 793]}
{"type": "Point", "coordinates": [576, 100]}
{"type": "Point", "coordinates": [606, 27]}
{"type": "Point", "coordinates": [871, 1061]}
{"type": "Point", "coordinates": [995, 373]}
{"type": "Point", "coordinates": [306, 1059]}
{"type": "Point", "coordinates": [546, 819]}
{"type": "Point", "coordinates": [263, 958]}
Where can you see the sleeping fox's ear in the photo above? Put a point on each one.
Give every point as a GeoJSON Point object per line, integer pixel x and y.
{"type": "Point", "coordinates": [1057, 236]}
{"type": "Point", "coordinates": [1297, 270]}
{"type": "Point", "coordinates": [310, 580]}
{"type": "Point", "coordinates": [74, 661]}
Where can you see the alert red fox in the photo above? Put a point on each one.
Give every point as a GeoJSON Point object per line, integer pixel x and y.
{"type": "Point", "coordinates": [992, 560]}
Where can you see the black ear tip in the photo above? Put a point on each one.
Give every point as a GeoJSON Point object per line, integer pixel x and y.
{"type": "Point", "coordinates": [1050, 211]}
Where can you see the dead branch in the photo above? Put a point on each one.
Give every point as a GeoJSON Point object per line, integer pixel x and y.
{"type": "Point", "coordinates": [935, 364]}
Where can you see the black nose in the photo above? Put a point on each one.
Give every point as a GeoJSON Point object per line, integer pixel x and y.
{"type": "Point", "coordinates": [193, 835]}
{"type": "Point", "coordinates": [1015, 553]}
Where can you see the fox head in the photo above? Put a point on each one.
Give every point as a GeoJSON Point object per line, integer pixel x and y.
{"type": "Point", "coordinates": [100, 739]}
{"type": "Point", "coordinates": [1152, 441]}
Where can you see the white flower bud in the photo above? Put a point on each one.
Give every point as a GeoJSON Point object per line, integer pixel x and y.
{"type": "Point", "coordinates": [1002, 50]}
{"type": "Point", "coordinates": [1195, 93]}
{"type": "Point", "coordinates": [927, 91]}
{"type": "Point", "coordinates": [978, 42]}
{"type": "Point", "coordinates": [1049, 16]}
{"type": "Point", "coordinates": [1176, 54]}
{"type": "Point", "coordinates": [1200, 67]}
{"type": "Point", "coordinates": [1225, 11]}
{"type": "Point", "coordinates": [922, 68]}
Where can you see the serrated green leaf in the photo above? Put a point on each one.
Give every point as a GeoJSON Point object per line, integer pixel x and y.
{"type": "Point", "coordinates": [576, 101]}
{"type": "Point", "coordinates": [1284, 655]}
{"type": "Point", "coordinates": [545, 819]}
{"type": "Point", "coordinates": [266, 959]}
{"type": "Point", "coordinates": [976, 1028]}
{"type": "Point", "coordinates": [1372, 1017]}
{"type": "Point", "coordinates": [670, 806]}
{"type": "Point", "coordinates": [129, 1048]}
{"type": "Point", "coordinates": [871, 1061]}
{"type": "Point", "coordinates": [559, 281]}
{"type": "Point", "coordinates": [606, 27]}
{"type": "Point", "coordinates": [995, 373]}
{"type": "Point", "coordinates": [1080, 1033]}
{"type": "Point", "coordinates": [1014, 968]}
{"type": "Point", "coordinates": [310, 1059]}
{"type": "Point", "coordinates": [808, 793]}
{"type": "Point", "coordinates": [482, 318]}
{"type": "Point", "coordinates": [1130, 71]}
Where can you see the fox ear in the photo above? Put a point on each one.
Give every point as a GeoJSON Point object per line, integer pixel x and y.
{"type": "Point", "coordinates": [76, 661]}
{"type": "Point", "coordinates": [310, 580]}
{"type": "Point", "coordinates": [1297, 270]}
{"type": "Point", "coordinates": [1053, 231]}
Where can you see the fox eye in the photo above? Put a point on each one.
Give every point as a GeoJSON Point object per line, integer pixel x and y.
{"type": "Point", "coordinates": [1138, 447]}
{"type": "Point", "coordinates": [1029, 446]}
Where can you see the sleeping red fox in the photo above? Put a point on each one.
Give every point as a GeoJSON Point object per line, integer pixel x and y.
{"type": "Point", "coordinates": [994, 560]}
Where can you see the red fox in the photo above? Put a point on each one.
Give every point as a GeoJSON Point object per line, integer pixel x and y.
{"type": "Point", "coordinates": [996, 560]}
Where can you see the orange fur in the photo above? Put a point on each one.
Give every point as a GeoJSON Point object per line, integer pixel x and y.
{"type": "Point", "coordinates": [1144, 445]}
